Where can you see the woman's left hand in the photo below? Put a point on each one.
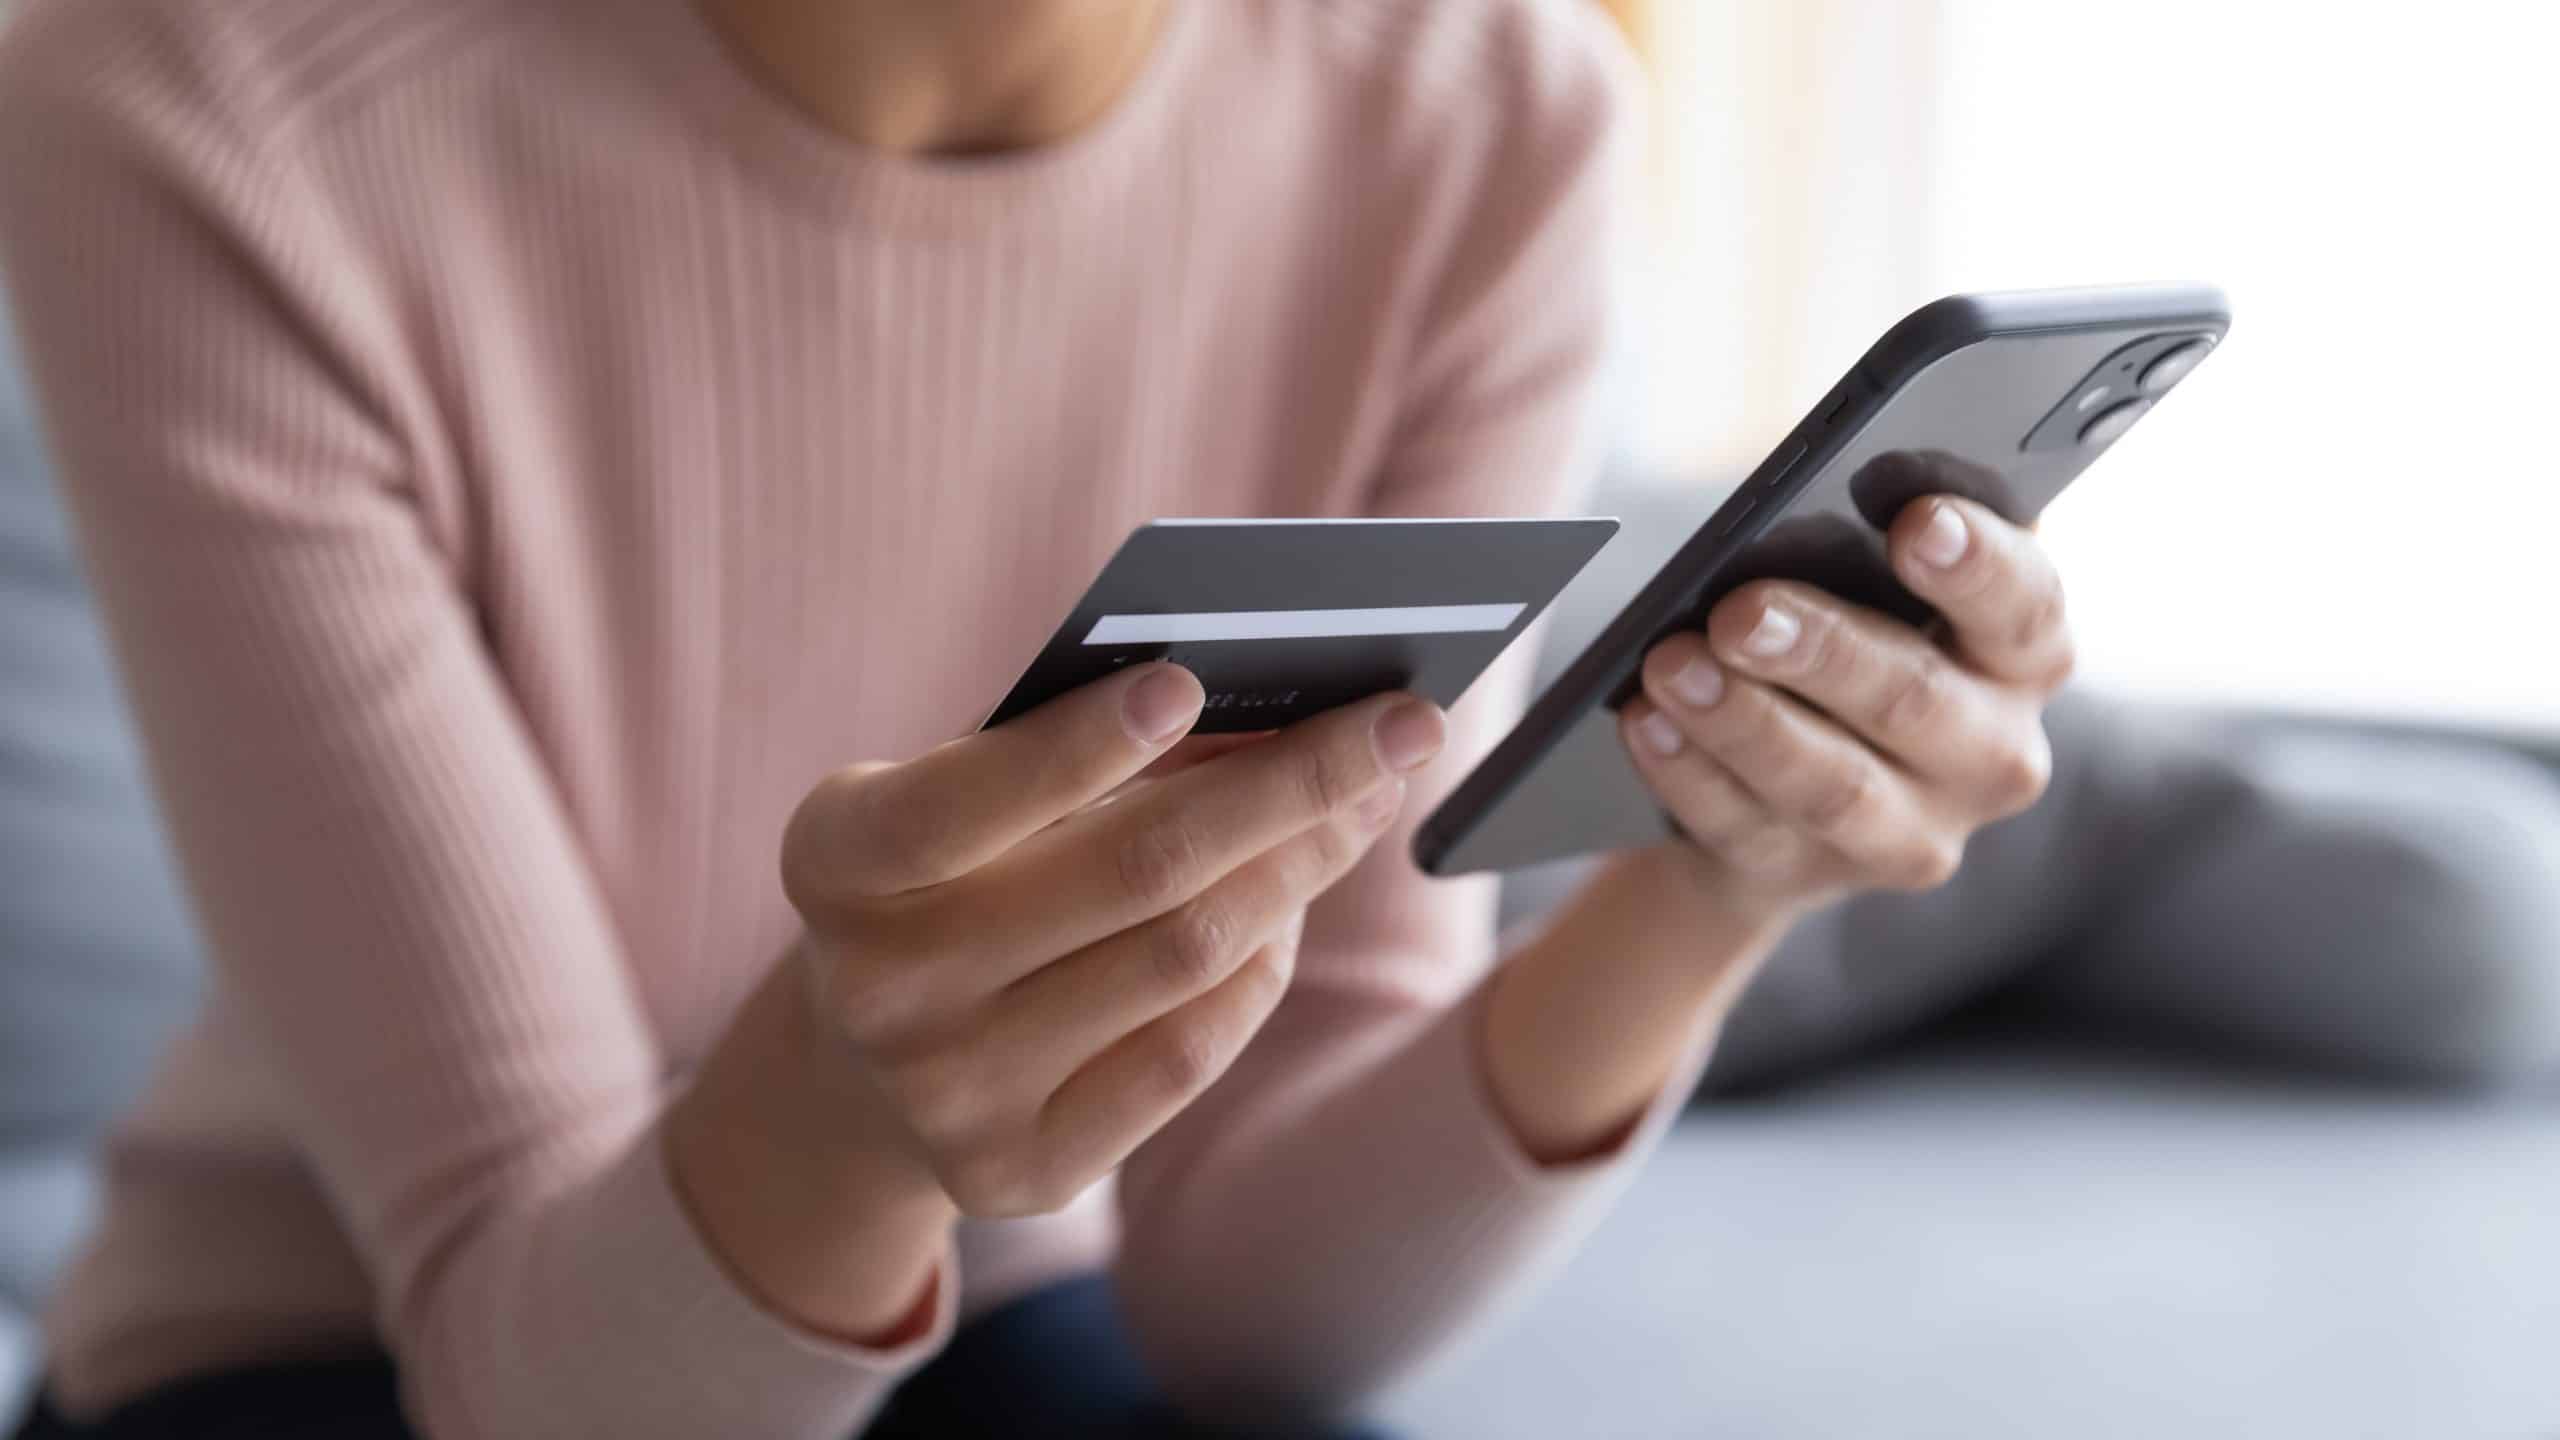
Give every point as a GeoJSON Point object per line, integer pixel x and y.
{"type": "Point", "coordinates": [1810, 748]}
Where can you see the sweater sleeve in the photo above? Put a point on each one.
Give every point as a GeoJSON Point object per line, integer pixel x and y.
{"type": "Point", "coordinates": [388, 884]}
{"type": "Point", "coordinates": [1345, 1201]}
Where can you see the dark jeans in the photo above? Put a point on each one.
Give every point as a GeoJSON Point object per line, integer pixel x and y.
{"type": "Point", "coordinates": [1057, 1362]}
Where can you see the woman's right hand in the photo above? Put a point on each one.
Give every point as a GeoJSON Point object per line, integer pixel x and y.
{"type": "Point", "coordinates": [1029, 983]}
{"type": "Point", "coordinates": [1018, 965]}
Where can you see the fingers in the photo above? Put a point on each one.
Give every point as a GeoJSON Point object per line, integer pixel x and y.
{"type": "Point", "coordinates": [876, 830]}
{"type": "Point", "coordinates": [1998, 590]}
{"type": "Point", "coordinates": [1129, 1091]}
{"type": "Point", "coordinates": [1805, 772]}
{"type": "Point", "coordinates": [1064, 1014]}
{"type": "Point", "coordinates": [1713, 807]}
{"type": "Point", "coordinates": [1875, 676]}
{"type": "Point", "coordinates": [1190, 750]}
{"type": "Point", "coordinates": [1108, 869]}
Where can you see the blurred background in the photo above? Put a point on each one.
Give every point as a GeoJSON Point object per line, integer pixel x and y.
{"type": "Point", "coordinates": [2371, 185]}
{"type": "Point", "coordinates": [2341, 533]}
{"type": "Point", "coordinates": [2338, 543]}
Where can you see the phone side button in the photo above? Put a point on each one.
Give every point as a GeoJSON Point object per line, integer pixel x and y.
{"type": "Point", "coordinates": [1741, 512]}
{"type": "Point", "coordinates": [1784, 466]}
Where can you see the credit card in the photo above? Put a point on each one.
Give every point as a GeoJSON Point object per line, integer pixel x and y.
{"type": "Point", "coordinates": [1281, 619]}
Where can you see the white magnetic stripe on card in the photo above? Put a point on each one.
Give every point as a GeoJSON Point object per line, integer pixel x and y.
{"type": "Point", "coordinates": [1207, 625]}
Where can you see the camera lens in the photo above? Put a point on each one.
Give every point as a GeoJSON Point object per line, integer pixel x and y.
{"type": "Point", "coordinates": [2171, 368]}
{"type": "Point", "coordinates": [2111, 422]}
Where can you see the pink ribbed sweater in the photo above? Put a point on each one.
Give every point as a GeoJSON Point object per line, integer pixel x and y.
{"type": "Point", "coordinates": [518, 456]}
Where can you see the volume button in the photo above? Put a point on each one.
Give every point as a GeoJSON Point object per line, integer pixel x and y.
{"type": "Point", "coordinates": [1744, 505]}
{"type": "Point", "coordinates": [1792, 456]}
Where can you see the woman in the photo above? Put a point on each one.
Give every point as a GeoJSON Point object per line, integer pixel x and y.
{"type": "Point", "coordinates": [549, 463]}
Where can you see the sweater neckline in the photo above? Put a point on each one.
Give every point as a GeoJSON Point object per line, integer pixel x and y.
{"type": "Point", "coordinates": [843, 179]}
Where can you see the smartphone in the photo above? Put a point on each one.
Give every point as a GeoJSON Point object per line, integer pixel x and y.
{"type": "Point", "coordinates": [2001, 398]}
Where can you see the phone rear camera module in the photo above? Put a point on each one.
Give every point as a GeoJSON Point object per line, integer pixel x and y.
{"type": "Point", "coordinates": [2171, 368]}
{"type": "Point", "coordinates": [2113, 393]}
{"type": "Point", "coordinates": [2112, 422]}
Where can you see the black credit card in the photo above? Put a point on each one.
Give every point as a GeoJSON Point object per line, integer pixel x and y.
{"type": "Point", "coordinates": [1283, 618]}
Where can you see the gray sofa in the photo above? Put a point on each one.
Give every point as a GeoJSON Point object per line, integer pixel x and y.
{"type": "Point", "coordinates": [1980, 1236]}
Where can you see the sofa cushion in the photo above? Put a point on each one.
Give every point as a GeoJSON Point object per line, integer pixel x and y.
{"type": "Point", "coordinates": [2001, 1236]}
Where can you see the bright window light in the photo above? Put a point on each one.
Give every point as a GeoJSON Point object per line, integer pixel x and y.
{"type": "Point", "coordinates": [2354, 505]}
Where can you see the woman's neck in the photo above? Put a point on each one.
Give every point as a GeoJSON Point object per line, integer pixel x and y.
{"type": "Point", "coordinates": [951, 77]}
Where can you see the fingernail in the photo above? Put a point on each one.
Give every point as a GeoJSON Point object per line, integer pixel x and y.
{"type": "Point", "coordinates": [1380, 805]}
{"type": "Point", "coordinates": [1408, 735]}
{"type": "Point", "coordinates": [1160, 704]}
{"type": "Point", "coordinates": [1699, 683]}
{"type": "Point", "coordinates": [1774, 636]}
{"type": "Point", "coordinates": [1942, 541]}
{"type": "Point", "coordinates": [1659, 735]}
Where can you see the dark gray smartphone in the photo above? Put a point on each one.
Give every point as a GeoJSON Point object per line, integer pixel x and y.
{"type": "Point", "coordinates": [2002, 398]}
